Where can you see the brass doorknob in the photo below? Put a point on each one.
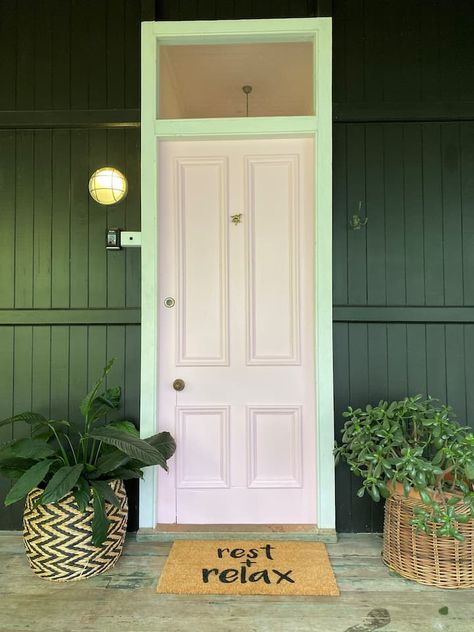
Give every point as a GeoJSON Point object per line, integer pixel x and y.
{"type": "Point", "coordinates": [179, 385]}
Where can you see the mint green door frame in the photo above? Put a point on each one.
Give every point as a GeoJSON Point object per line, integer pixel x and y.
{"type": "Point", "coordinates": [319, 126]}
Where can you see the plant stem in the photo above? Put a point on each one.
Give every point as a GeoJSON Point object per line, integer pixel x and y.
{"type": "Point", "coordinates": [84, 448]}
{"type": "Point", "coordinates": [94, 442]}
{"type": "Point", "coordinates": [72, 449]}
{"type": "Point", "coordinates": [95, 453]}
{"type": "Point", "coordinates": [98, 452]}
{"type": "Point", "coordinates": [63, 451]}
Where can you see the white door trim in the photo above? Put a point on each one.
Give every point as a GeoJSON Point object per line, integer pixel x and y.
{"type": "Point", "coordinates": [320, 128]}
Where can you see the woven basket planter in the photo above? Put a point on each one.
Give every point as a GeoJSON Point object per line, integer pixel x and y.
{"type": "Point", "coordinates": [426, 558]}
{"type": "Point", "coordinates": [57, 537]}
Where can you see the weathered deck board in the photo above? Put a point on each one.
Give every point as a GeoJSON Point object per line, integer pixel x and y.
{"type": "Point", "coordinates": [124, 599]}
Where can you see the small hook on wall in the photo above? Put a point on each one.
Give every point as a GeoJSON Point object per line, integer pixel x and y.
{"type": "Point", "coordinates": [357, 222]}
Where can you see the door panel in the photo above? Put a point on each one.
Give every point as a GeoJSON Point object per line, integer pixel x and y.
{"type": "Point", "coordinates": [272, 202]}
{"type": "Point", "coordinates": [241, 332]}
{"type": "Point", "coordinates": [203, 437]}
{"type": "Point", "coordinates": [201, 187]}
{"type": "Point", "coordinates": [274, 431]}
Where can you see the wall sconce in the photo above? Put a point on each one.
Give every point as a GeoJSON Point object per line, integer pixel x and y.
{"type": "Point", "coordinates": [108, 185]}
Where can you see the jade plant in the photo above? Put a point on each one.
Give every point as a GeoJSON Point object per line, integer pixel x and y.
{"type": "Point", "coordinates": [419, 444]}
{"type": "Point", "coordinates": [61, 456]}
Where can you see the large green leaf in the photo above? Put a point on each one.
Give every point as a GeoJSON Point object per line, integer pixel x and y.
{"type": "Point", "coordinates": [110, 398]}
{"type": "Point", "coordinates": [9, 465]}
{"type": "Point", "coordinates": [31, 449]}
{"type": "Point", "coordinates": [103, 403]}
{"type": "Point", "coordinates": [6, 451]}
{"type": "Point", "coordinates": [61, 483]}
{"type": "Point", "coordinates": [113, 457]}
{"type": "Point", "coordinates": [106, 491]}
{"type": "Point", "coordinates": [123, 474]}
{"type": "Point", "coordinates": [10, 472]}
{"type": "Point", "coordinates": [164, 443]}
{"type": "Point", "coordinates": [42, 433]}
{"type": "Point", "coordinates": [86, 403]}
{"type": "Point", "coordinates": [44, 429]}
{"type": "Point", "coordinates": [124, 426]}
{"type": "Point", "coordinates": [30, 479]}
{"type": "Point", "coordinates": [82, 494]}
{"type": "Point", "coordinates": [111, 461]}
{"type": "Point", "coordinates": [27, 417]}
{"type": "Point", "coordinates": [135, 448]}
{"type": "Point", "coordinates": [100, 522]}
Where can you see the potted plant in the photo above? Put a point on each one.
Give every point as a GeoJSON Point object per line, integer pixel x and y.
{"type": "Point", "coordinates": [420, 459]}
{"type": "Point", "coordinates": [72, 475]}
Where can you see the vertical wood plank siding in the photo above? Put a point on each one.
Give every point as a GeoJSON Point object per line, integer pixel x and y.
{"type": "Point", "coordinates": [53, 253]}
{"type": "Point", "coordinates": [376, 361]}
{"type": "Point", "coordinates": [416, 186]}
{"type": "Point", "coordinates": [53, 57]}
{"type": "Point", "coordinates": [49, 368]}
{"type": "Point", "coordinates": [70, 54]}
{"type": "Point", "coordinates": [238, 9]}
{"type": "Point", "coordinates": [403, 147]}
{"type": "Point", "coordinates": [54, 257]}
{"type": "Point", "coordinates": [402, 51]}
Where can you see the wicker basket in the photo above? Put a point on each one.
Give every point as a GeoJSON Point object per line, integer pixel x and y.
{"type": "Point", "coordinates": [57, 537]}
{"type": "Point", "coordinates": [428, 559]}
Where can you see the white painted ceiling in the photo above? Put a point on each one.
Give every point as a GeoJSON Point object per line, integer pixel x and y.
{"type": "Point", "coordinates": [206, 81]}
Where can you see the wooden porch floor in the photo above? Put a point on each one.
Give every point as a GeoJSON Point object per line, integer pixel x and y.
{"type": "Point", "coordinates": [124, 599]}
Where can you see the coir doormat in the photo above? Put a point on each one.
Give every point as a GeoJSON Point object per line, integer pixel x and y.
{"type": "Point", "coordinates": [248, 568]}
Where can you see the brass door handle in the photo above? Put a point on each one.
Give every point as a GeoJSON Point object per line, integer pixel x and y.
{"type": "Point", "coordinates": [179, 385]}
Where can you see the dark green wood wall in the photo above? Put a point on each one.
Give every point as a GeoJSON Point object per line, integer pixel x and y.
{"type": "Point", "coordinates": [403, 147]}
{"type": "Point", "coordinates": [69, 103]}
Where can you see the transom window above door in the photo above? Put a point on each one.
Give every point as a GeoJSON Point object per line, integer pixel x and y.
{"type": "Point", "coordinates": [236, 80]}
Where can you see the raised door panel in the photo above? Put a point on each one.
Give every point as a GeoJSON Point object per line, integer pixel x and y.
{"type": "Point", "coordinates": [203, 439]}
{"type": "Point", "coordinates": [274, 446]}
{"type": "Point", "coordinates": [273, 332]}
{"type": "Point", "coordinates": [202, 231]}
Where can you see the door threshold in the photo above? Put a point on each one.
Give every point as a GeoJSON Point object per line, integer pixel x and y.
{"type": "Point", "coordinates": [171, 532]}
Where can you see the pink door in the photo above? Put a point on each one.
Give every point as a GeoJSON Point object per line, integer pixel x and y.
{"type": "Point", "coordinates": [236, 325]}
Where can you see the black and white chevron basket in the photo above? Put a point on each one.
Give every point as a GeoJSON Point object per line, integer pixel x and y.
{"type": "Point", "coordinates": [57, 537]}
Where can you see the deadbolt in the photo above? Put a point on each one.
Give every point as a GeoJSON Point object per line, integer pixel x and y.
{"type": "Point", "coordinates": [169, 301]}
{"type": "Point", "coordinates": [179, 385]}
